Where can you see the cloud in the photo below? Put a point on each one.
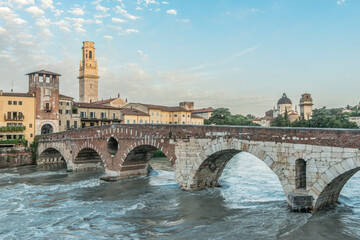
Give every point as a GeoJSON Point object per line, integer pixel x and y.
{"type": "Point", "coordinates": [43, 22]}
{"type": "Point", "coordinates": [142, 55]}
{"type": "Point", "coordinates": [224, 60]}
{"type": "Point", "coordinates": [129, 30]}
{"type": "Point", "coordinates": [123, 12]}
{"type": "Point", "coordinates": [35, 11]}
{"type": "Point", "coordinates": [2, 30]}
{"type": "Point", "coordinates": [76, 11]}
{"type": "Point", "coordinates": [47, 4]}
{"type": "Point", "coordinates": [108, 37]}
{"type": "Point", "coordinates": [63, 25]}
{"type": "Point", "coordinates": [77, 24]}
{"type": "Point", "coordinates": [101, 8]}
{"type": "Point", "coordinates": [171, 11]}
{"type": "Point", "coordinates": [164, 2]}
{"type": "Point", "coordinates": [46, 33]}
{"type": "Point", "coordinates": [118, 20]}
{"type": "Point", "coordinates": [340, 2]}
{"type": "Point", "coordinates": [147, 2]}
{"type": "Point", "coordinates": [184, 20]}
{"type": "Point", "coordinates": [21, 3]}
{"type": "Point", "coordinates": [10, 17]}
{"type": "Point", "coordinates": [58, 12]}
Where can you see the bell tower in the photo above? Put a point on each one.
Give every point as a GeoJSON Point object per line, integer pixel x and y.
{"type": "Point", "coordinates": [88, 74]}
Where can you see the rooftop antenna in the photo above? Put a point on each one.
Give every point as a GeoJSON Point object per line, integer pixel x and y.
{"type": "Point", "coordinates": [12, 86]}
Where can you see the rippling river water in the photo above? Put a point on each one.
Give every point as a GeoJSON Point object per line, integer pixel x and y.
{"type": "Point", "coordinates": [44, 202]}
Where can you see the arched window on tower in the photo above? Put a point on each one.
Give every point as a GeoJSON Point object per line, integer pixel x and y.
{"type": "Point", "coordinates": [300, 173]}
{"type": "Point", "coordinates": [90, 54]}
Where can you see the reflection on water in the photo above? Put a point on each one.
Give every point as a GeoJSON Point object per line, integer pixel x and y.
{"type": "Point", "coordinates": [42, 202]}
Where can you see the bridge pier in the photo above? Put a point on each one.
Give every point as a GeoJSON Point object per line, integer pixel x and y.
{"type": "Point", "coordinates": [300, 202]}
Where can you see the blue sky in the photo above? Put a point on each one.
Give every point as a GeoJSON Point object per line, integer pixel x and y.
{"type": "Point", "coordinates": [221, 53]}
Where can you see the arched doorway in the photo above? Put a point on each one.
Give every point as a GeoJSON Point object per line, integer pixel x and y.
{"type": "Point", "coordinates": [47, 129]}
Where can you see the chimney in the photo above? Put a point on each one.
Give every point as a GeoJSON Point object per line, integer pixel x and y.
{"type": "Point", "coordinates": [118, 95]}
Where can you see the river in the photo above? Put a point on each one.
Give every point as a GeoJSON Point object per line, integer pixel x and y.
{"type": "Point", "coordinates": [46, 202]}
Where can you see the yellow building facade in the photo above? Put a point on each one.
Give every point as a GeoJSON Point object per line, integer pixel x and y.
{"type": "Point", "coordinates": [167, 115]}
{"type": "Point", "coordinates": [92, 114]}
{"type": "Point", "coordinates": [17, 109]}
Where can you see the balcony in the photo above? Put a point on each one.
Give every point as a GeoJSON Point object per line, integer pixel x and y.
{"type": "Point", "coordinates": [13, 118]}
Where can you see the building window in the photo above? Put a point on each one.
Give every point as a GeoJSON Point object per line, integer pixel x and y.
{"type": "Point", "coordinates": [90, 54]}
{"type": "Point", "coordinates": [145, 121]}
{"type": "Point", "coordinates": [61, 103]}
{"type": "Point", "coordinates": [134, 121]}
{"type": "Point", "coordinates": [75, 124]}
{"type": "Point", "coordinates": [175, 122]}
{"type": "Point", "coordinates": [141, 121]}
{"type": "Point", "coordinates": [47, 92]}
{"type": "Point", "coordinates": [188, 115]}
{"type": "Point", "coordinates": [128, 121]}
{"type": "Point", "coordinates": [183, 115]}
{"type": "Point", "coordinates": [30, 125]}
{"type": "Point", "coordinates": [170, 115]}
{"type": "Point", "coordinates": [183, 122]}
{"type": "Point", "coordinates": [152, 121]}
{"type": "Point", "coordinates": [47, 79]}
{"type": "Point", "coordinates": [175, 115]}
{"type": "Point", "coordinates": [20, 102]}
{"type": "Point", "coordinates": [82, 114]}
{"type": "Point", "coordinates": [92, 124]}
{"type": "Point", "coordinates": [152, 114]}
{"type": "Point", "coordinates": [15, 103]}
{"type": "Point", "coordinates": [59, 122]}
{"type": "Point", "coordinates": [92, 114]}
{"type": "Point", "coordinates": [300, 173]}
{"type": "Point", "coordinates": [47, 107]}
{"type": "Point", "coordinates": [9, 102]}
{"type": "Point", "coordinates": [68, 124]}
{"type": "Point", "coordinates": [31, 135]}
{"type": "Point", "coordinates": [157, 114]}
{"type": "Point", "coordinates": [157, 121]}
{"type": "Point", "coordinates": [67, 104]}
{"type": "Point", "coordinates": [68, 112]}
{"type": "Point", "coordinates": [114, 116]}
{"type": "Point", "coordinates": [103, 115]}
{"type": "Point", "coordinates": [60, 111]}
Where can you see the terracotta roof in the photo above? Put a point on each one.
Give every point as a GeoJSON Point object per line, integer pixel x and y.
{"type": "Point", "coordinates": [11, 94]}
{"type": "Point", "coordinates": [196, 116]}
{"type": "Point", "coordinates": [94, 105]}
{"type": "Point", "coordinates": [204, 110]}
{"type": "Point", "coordinates": [165, 108]}
{"type": "Point", "coordinates": [133, 111]}
{"type": "Point", "coordinates": [44, 72]}
{"type": "Point", "coordinates": [64, 96]}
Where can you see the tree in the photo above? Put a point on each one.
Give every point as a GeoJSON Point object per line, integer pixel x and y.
{"type": "Point", "coordinates": [222, 116]}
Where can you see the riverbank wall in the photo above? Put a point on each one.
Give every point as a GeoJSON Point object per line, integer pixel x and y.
{"type": "Point", "coordinates": [15, 157]}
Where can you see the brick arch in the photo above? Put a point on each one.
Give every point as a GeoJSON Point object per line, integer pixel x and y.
{"type": "Point", "coordinates": [225, 150]}
{"type": "Point", "coordinates": [326, 190]}
{"type": "Point", "coordinates": [89, 145]}
{"type": "Point", "coordinates": [137, 156]}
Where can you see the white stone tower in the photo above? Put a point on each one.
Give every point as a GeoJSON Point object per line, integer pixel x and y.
{"type": "Point", "coordinates": [306, 106]}
{"type": "Point", "coordinates": [88, 74]}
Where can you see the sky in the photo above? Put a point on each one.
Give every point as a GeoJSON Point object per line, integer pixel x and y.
{"type": "Point", "coordinates": [238, 54]}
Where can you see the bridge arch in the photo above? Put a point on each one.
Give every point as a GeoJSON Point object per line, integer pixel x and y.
{"type": "Point", "coordinates": [138, 157]}
{"type": "Point", "coordinates": [215, 156]}
{"type": "Point", "coordinates": [88, 156]}
{"type": "Point", "coordinates": [51, 155]}
{"type": "Point", "coordinates": [326, 190]}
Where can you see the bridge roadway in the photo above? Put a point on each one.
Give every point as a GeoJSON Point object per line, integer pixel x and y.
{"type": "Point", "coordinates": [312, 164]}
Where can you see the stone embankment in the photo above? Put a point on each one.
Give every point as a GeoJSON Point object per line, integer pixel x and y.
{"type": "Point", "coordinates": [15, 157]}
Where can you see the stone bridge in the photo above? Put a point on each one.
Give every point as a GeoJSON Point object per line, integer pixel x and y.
{"type": "Point", "coordinates": [312, 164]}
